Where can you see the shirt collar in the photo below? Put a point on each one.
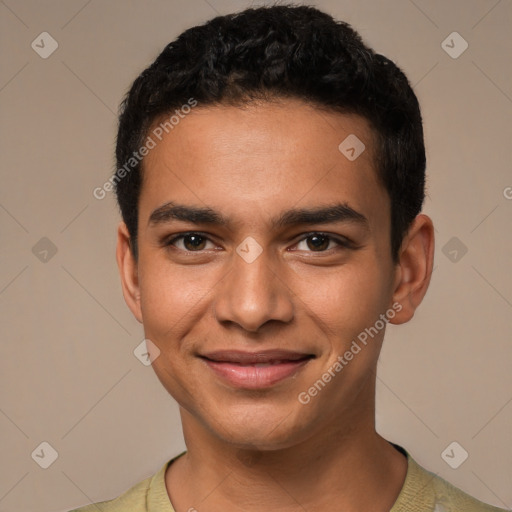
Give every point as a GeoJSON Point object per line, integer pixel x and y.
{"type": "Point", "coordinates": [416, 493]}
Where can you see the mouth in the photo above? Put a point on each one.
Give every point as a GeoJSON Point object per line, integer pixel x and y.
{"type": "Point", "coordinates": [255, 370]}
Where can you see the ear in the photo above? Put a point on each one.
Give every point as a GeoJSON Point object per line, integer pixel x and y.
{"type": "Point", "coordinates": [414, 269]}
{"type": "Point", "coordinates": [128, 271]}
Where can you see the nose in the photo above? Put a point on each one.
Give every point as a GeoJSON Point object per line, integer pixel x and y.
{"type": "Point", "coordinates": [252, 294]}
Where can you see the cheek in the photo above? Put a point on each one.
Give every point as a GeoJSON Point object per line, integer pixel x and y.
{"type": "Point", "coordinates": [170, 302]}
{"type": "Point", "coordinates": [166, 296]}
{"type": "Point", "coordinates": [171, 294]}
{"type": "Point", "coordinates": [345, 302]}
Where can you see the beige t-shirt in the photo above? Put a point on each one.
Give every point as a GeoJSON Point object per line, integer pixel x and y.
{"type": "Point", "coordinates": [422, 491]}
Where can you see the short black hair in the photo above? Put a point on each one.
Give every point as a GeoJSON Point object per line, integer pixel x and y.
{"type": "Point", "coordinates": [281, 51]}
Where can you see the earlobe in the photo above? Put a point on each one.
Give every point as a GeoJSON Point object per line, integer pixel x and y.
{"type": "Point", "coordinates": [414, 270]}
{"type": "Point", "coordinates": [128, 271]}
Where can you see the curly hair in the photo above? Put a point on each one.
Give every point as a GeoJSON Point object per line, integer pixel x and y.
{"type": "Point", "coordinates": [283, 51]}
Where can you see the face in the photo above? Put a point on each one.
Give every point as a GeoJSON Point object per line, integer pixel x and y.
{"type": "Point", "coordinates": [263, 272]}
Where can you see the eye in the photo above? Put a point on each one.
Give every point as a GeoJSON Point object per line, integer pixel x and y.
{"type": "Point", "coordinates": [321, 242]}
{"type": "Point", "coordinates": [315, 242]}
{"type": "Point", "coordinates": [191, 242]}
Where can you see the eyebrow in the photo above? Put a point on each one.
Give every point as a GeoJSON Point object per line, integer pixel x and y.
{"type": "Point", "coordinates": [340, 212]}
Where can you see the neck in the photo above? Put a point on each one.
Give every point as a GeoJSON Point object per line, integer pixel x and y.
{"type": "Point", "coordinates": [348, 464]}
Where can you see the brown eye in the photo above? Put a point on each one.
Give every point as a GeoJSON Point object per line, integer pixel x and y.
{"type": "Point", "coordinates": [191, 242]}
{"type": "Point", "coordinates": [319, 242]}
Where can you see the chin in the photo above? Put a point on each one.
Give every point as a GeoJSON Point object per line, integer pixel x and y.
{"type": "Point", "coordinates": [261, 428]}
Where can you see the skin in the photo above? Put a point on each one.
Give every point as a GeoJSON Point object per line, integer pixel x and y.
{"type": "Point", "coordinates": [264, 450]}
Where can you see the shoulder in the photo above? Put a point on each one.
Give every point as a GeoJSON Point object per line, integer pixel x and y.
{"type": "Point", "coordinates": [451, 499]}
{"type": "Point", "coordinates": [149, 495]}
{"type": "Point", "coordinates": [424, 491]}
{"type": "Point", "coordinates": [132, 499]}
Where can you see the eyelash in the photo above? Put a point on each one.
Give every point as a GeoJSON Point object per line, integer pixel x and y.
{"type": "Point", "coordinates": [342, 243]}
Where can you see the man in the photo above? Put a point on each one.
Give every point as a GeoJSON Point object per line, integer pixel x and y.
{"type": "Point", "coordinates": [270, 177]}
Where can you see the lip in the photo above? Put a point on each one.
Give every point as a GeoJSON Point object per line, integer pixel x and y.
{"type": "Point", "coordinates": [243, 370]}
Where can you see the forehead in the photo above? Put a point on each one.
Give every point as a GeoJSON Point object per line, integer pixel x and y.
{"type": "Point", "coordinates": [263, 156]}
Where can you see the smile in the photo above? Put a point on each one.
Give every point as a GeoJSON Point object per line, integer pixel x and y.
{"type": "Point", "coordinates": [255, 370]}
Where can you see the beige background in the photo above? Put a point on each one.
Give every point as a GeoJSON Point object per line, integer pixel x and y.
{"type": "Point", "coordinates": [68, 375]}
